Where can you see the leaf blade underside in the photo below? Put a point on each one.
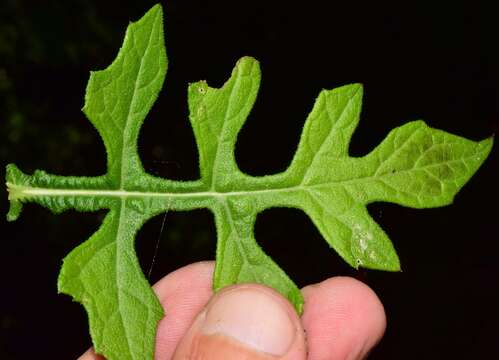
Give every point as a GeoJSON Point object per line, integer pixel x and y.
{"type": "Point", "coordinates": [414, 166]}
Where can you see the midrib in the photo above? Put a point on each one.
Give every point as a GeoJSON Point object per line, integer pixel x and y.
{"type": "Point", "coordinates": [28, 191]}
{"type": "Point", "coordinates": [37, 191]}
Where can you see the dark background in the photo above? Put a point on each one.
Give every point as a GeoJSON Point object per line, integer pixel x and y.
{"type": "Point", "coordinates": [438, 61]}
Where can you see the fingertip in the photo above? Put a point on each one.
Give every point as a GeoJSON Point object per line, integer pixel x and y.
{"type": "Point", "coordinates": [343, 318]}
{"type": "Point", "coordinates": [246, 321]}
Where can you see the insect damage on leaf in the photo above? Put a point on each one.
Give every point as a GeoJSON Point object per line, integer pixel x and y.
{"type": "Point", "coordinates": [414, 166]}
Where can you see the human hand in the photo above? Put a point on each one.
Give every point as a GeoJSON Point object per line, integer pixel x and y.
{"type": "Point", "coordinates": [342, 319]}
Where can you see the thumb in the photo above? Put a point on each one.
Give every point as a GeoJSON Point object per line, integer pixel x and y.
{"type": "Point", "coordinates": [248, 321]}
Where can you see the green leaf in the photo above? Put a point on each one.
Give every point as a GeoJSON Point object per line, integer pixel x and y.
{"type": "Point", "coordinates": [414, 166]}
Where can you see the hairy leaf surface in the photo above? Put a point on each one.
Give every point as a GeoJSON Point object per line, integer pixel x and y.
{"type": "Point", "coordinates": [414, 166]}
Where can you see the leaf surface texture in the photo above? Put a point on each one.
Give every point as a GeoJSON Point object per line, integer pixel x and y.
{"type": "Point", "coordinates": [414, 166]}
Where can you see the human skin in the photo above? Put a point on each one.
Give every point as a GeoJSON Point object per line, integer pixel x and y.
{"type": "Point", "coordinates": [342, 319]}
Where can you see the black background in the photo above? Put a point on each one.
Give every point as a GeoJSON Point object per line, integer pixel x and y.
{"type": "Point", "coordinates": [436, 61]}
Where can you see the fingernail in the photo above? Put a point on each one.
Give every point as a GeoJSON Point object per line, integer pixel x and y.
{"type": "Point", "coordinates": [254, 317]}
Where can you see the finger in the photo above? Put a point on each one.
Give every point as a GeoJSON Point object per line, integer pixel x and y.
{"type": "Point", "coordinates": [246, 321]}
{"type": "Point", "coordinates": [343, 319]}
{"type": "Point", "coordinates": [183, 294]}
{"type": "Point", "coordinates": [90, 355]}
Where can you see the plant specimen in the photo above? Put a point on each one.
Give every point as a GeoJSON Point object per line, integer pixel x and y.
{"type": "Point", "coordinates": [414, 166]}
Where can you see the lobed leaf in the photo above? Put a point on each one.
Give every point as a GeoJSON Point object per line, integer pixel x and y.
{"type": "Point", "coordinates": [414, 166]}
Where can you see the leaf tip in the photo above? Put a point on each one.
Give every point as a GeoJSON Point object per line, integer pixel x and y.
{"type": "Point", "coordinates": [354, 91]}
{"type": "Point", "coordinates": [354, 88]}
{"type": "Point", "coordinates": [155, 10]}
{"type": "Point", "coordinates": [247, 66]}
{"type": "Point", "coordinates": [480, 153]}
{"type": "Point", "coordinates": [486, 145]}
{"type": "Point", "coordinates": [387, 260]}
{"type": "Point", "coordinates": [247, 62]}
{"type": "Point", "coordinates": [395, 267]}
